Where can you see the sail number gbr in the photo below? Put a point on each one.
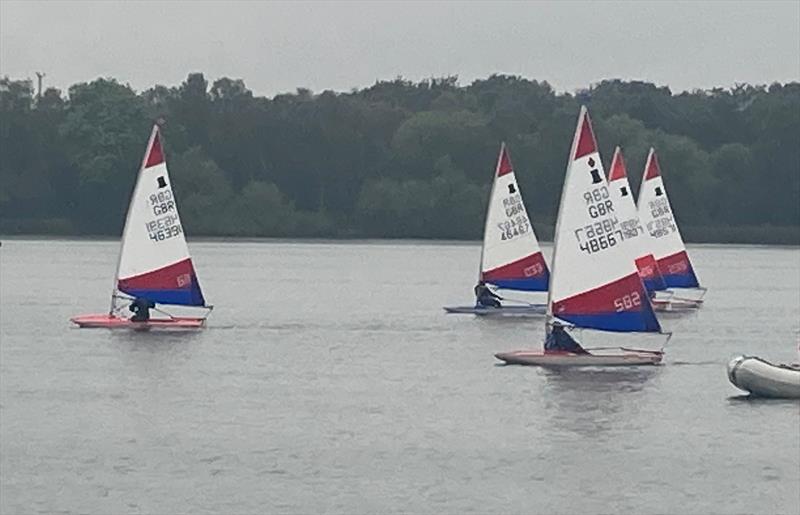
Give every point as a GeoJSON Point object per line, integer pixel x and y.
{"type": "Point", "coordinates": [598, 202]}
{"type": "Point", "coordinates": [662, 223]}
{"type": "Point", "coordinates": [516, 222]}
{"type": "Point", "coordinates": [162, 202]}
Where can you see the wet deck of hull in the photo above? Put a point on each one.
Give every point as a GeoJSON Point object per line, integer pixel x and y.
{"type": "Point", "coordinates": [540, 359]}
{"type": "Point", "coordinates": [532, 310]}
{"type": "Point", "coordinates": [106, 321]}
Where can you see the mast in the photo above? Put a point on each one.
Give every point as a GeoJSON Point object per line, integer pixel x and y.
{"type": "Point", "coordinates": [489, 206]}
{"type": "Point", "coordinates": [153, 136]}
{"type": "Point", "coordinates": [581, 117]}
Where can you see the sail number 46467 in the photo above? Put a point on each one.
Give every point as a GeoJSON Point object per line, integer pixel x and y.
{"type": "Point", "coordinates": [513, 227]}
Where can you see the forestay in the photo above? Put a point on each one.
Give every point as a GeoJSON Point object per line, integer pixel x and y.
{"type": "Point", "coordinates": [154, 260]}
{"type": "Point", "coordinates": [657, 216]}
{"type": "Point", "coordinates": [594, 282]}
{"type": "Point", "coordinates": [636, 239]}
{"type": "Point", "coordinates": [511, 257]}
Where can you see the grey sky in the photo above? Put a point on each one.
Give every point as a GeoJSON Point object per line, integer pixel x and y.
{"type": "Point", "coordinates": [277, 47]}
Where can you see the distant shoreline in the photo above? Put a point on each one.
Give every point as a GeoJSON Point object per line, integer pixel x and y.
{"type": "Point", "coordinates": [773, 236]}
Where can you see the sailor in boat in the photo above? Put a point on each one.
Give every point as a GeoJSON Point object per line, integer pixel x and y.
{"type": "Point", "coordinates": [141, 309]}
{"type": "Point", "coordinates": [559, 340]}
{"type": "Point", "coordinates": [486, 298]}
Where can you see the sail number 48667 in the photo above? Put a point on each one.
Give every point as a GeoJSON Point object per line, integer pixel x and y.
{"type": "Point", "coordinates": [601, 242]}
{"type": "Point", "coordinates": [599, 235]}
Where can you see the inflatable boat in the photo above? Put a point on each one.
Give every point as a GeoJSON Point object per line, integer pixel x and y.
{"type": "Point", "coordinates": [763, 379]}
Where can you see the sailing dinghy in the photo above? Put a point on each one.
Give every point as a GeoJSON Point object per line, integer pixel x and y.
{"type": "Point", "coordinates": [666, 242]}
{"type": "Point", "coordinates": [636, 237]}
{"type": "Point", "coordinates": [510, 257]}
{"type": "Point", "coordinates": [154, 261]}
{"type": "Point", "coordinates": [594, 284]}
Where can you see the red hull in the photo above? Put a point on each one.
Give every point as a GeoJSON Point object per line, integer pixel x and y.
{"type": "Point", "coordinates": [567, 359]}
{"type": "Point", "coordinates": [107, 321]}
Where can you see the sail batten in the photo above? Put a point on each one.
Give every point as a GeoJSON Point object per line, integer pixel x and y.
{"type": "Point", "coordinates": [594, 281]}
{"type": "Point", "coordinates": [511, 257]}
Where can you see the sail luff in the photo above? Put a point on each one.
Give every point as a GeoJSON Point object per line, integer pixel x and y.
{"type": "Point", "coordinates": [153, 135]}
{"type": "Point", "coordinates": [573, 150]}
{"type": "Point", "coordinates": [643, 183]}
{"type": "Point", "coordinates": [489, 209]}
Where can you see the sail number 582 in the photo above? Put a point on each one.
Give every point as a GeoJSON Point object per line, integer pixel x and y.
{"type": "Point", "coordinates": [628, 301]}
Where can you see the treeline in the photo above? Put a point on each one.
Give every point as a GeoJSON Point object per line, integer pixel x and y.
{"type": "Point", "coordinates": [397, 159]}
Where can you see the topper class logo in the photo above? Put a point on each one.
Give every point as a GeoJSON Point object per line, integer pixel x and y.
{"type": "Point", "coordinates": [535, 269]}
{"type": "Point", "coordinates": [594, 172]}
{"type": "Point", "coordinates": [183, 280]}
{"type": "Point", "coordinates": [677, 268]}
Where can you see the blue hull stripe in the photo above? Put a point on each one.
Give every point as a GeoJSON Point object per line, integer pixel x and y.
{"type": "Point", "coordinates": [655, 284]}
{"type": "Point", "coordinates": [688, 280]}
{"type": "Point", "coordinates": [527, 284]}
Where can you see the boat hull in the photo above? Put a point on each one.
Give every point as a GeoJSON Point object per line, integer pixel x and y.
{"type": "Point", "coordinates": [763, 379]}
{"type": "Point", "coordinates": [676, 305]}
{"type": "Point", "coordinates": [106, 321]}
{"type": "Point", "coordinates": [518, 311]}
{"type": "Point", "coordinates": [566, 359]}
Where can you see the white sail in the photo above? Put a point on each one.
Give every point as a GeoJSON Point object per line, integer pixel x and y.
{"type": "Point", "coordinates": [659, 221]}
{"type": "Point", "coordinates": [154, 261]}
{"type": "Point", "coordinates": [511, 257]}
{"type": "Point", "coordinates": [594, 281]}
{"type": "Point", "coordinates": [636, 239]}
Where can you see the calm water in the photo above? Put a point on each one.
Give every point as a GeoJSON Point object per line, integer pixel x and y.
{"type": "Point", "coordinates": [329, 380]}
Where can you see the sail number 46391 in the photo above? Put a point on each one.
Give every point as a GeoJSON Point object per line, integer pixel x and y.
{"type": "Point", "coordinates": [164, 228]}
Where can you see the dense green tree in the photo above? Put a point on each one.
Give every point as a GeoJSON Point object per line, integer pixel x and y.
{"type": "Point", "coordinates": [203, 192]}
{"type": "Point", "coordinates": [396, 159]}
{"type": "Point", "coordinates": [103, 132]}
{"type": "Point", "coordinates": [261, 209]}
